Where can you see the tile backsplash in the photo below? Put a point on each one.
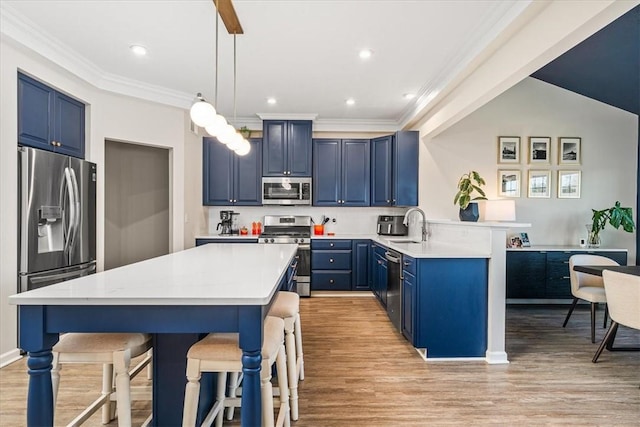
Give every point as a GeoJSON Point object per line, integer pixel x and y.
{"type": "Point", "coordinates": [348, 220]}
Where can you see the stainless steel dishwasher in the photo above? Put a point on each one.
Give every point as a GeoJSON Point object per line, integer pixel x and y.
{"type": "Point", "coordinates": [394, 287]}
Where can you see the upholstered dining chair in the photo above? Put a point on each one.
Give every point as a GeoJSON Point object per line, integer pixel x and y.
{"type": "Point", "coordinates": [588, 287]}
{"type": "Point", "coordinates": [623, 300]}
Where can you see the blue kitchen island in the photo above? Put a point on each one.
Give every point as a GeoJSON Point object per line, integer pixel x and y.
{"type": "Point", "coordinates": [178, 298]}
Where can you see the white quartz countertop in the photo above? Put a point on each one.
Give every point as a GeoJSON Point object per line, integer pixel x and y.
{"type": "Point", "coordinates": [564, 248]}
{"type": "Point", "coordinates": [429, 249]}
{"type": "Point", "coordinates": [213, 274]}
{"type": "Point", "coordinates": [407, 246]}
{"type": "Point", "coordinates": [228, 236]}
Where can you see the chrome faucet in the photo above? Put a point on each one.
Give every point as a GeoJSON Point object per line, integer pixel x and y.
{"type": "Point", "coordinates": [424, 221]}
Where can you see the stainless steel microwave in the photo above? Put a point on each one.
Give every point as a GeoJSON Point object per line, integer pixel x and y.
{"type": "Point", "coordinates": [286, 191]}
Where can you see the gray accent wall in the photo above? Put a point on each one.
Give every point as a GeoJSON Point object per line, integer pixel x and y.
{"type": "Point", "coordinates": [136, 203]}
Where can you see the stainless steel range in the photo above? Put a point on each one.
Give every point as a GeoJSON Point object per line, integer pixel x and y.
{"type": "Point", "coordinates": [292, 229]}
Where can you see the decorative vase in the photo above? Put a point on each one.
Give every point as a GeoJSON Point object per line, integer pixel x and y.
{"type": "Point", "coordinates": [593, 238]}
{"type": "Point", "coordinates": [470, 213]}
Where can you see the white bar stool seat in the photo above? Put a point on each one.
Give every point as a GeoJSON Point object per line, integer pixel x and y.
{"type": "Point", "coordinates": [221, 353]}
{"type": "Point", "coordinates": [287, 307]}
{"type": "Point", "coordinates": [112, 350]}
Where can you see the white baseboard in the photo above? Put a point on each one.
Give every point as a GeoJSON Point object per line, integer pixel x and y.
{"type": "Point", "coordinates": [10, 357]}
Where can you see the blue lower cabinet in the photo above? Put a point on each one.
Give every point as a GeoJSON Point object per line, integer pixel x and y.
{"type": "Point", "coordinates": [360, 265]}
{"type": "Point", "coordinates": [450, 307]}
{"type": "Point", "coordinates": [330, 265]}
{"type": "Point", "coordinates": [331, 280]}
{"type": "Point", "coordinates": [200, 242]}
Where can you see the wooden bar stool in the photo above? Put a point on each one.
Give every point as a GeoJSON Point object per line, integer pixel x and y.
{"type": "Point", "coordinates": [287, 307]}
{"type": "Point", "coordinates": [112, 350]}
{"type": "Point", "coordinates": [221, 353]}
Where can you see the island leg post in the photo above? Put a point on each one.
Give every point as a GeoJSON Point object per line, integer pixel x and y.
{"type": "Point", "coordinates": [251, 344]}
{"type": "Point", "coordinates": [38, 344]}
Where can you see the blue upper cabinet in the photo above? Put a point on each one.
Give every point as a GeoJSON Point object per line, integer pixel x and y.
{"type": "Point", "coordinates": [341, 172]}
{"type": "Point", "coordinates": [229, 179]}
{"type": "Point", "coordinates": [394, 171]}
{"type": "Point", "coordinates": [381, 156]}
{"type": "Point", "coordinates": [287, 148]}
{"type": "Point", "coordinates": [48, 119]}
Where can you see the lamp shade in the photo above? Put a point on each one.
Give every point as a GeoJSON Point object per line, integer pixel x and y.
{"type": "Point", "coordinates": [500, 210]}
{"type": "Point", "coordinates": [202, 113]}
{"type": "Point", "coordinates": [217, 124]}
{"type": "Point", "coordinates": [244, 148]}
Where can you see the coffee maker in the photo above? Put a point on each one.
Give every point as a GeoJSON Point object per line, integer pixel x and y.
{"type": "Point", "coordinates": [225, 222]}
{"type": "Point", "coordinates": [228, 223]}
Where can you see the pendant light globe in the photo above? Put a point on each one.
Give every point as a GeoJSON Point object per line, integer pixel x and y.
{"type": "Point", "coordinates": [226, 134]}
{"type": "Point", "coordinates": [216, 125]}
{"type": "Point", "coordinates": [236, 142]}
{"type": "Point", "coordinates": [202, 113]}
{"type": "Point", "coordinates": [244, 148]}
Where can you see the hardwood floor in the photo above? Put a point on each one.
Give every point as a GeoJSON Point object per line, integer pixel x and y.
{"type": "Point", "coordinates": [361, 372]}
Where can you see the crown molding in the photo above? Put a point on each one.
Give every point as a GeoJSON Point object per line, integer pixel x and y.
{"type": "Point", "coordinates": [286, 116]}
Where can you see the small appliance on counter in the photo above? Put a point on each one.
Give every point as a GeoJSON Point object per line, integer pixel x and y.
{"type": "Point", "coordinates": [228, 224]}
{"type": "Point", "coordinates": [391, 225]}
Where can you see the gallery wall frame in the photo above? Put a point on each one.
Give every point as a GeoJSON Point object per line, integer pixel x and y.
{"type": "Point", "coordinates": [508, 149]}
{"type": "Point", "coordinates": [569, 150]}
{"type": "Point", "coordinates": [539, 184]}
{"type": "Point", "coordinates": [569, 184]}
{"type": "Point", "coordinates": [509, 183]}
{"type": "Point", "coordinates": [540, 150]}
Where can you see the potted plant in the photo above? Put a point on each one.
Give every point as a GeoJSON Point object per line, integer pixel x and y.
{"type": "Point", "coordinates": [616, 216]}
{"type": "Point", "coordinates": [245, 132]}
{"type": "Point", "coordinates": [467, 185]}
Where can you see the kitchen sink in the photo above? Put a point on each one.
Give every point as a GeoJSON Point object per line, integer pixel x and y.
{"type": "Point", "coordinates": [404, 241]}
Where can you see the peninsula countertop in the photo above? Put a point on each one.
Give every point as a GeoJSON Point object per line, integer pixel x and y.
{"type": "Point", "coordinates": [213, 274]}
{"type": "Point", "coordinates": [403, 244]}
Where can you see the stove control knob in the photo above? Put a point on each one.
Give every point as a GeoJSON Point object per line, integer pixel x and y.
{"type": "Point", "coordinates": [295, 240]}
{"type": "Point", "coordinates": [266, 240]}
{"type": "Point", "coordinates": [271, 240]}
{"type": "Point", "coordinates": [301, 241]}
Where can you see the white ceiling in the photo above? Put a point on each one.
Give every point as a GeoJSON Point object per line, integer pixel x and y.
{"type": "Point", "coordinates": [302, 52]}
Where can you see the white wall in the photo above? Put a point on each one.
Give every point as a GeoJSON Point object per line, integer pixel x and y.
{"type": "Point", "coordinates": [534, 108]}
{"type": "Point", "coordinates": [109, 116]}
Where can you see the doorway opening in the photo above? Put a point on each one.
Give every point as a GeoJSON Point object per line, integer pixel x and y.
{"type": "Point", "coordinates": [137, 210]}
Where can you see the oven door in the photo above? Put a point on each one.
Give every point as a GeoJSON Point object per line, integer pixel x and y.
{"type": "Point", "coordinates": [303, 275]}
{"type": "Point", "coordinates": [286, 191]}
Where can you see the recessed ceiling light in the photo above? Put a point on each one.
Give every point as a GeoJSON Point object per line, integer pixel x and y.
{"type": "Point", "coordinates": [271, 101]}
{"type": "Point", "coordinates": [138, 50]}
{"type": "Point", "coordinates": [409, 95]}
{"type": "Point", "coordinates": [350, 101]}
{"type": "Point", "coordinates": [366, 53]}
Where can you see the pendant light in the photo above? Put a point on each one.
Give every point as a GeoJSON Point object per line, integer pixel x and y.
{"type": "Point", "coordinates": [204, 114]}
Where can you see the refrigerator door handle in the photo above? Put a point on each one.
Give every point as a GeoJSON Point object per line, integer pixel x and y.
{"type": "Point", "coordinates": [78, 211]}
{"type": "Point", "coordinates": [66, 275]}
{"type": "Point", "coordinates": [72, 209]}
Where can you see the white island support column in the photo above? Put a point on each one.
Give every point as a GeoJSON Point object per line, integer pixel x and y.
{"type": "Point", "coordinates": [492, 238]}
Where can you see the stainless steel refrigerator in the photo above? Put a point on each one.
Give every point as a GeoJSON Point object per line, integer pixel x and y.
{"type": "Point", "coordinates": [56, 218]}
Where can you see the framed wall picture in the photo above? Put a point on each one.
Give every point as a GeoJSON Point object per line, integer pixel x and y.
{"type": "Point", "coordinates": [508, 149]}
{"type": "Point", "coordinates": [540, 149]}
{"type": "Point", "coordinates": [569, 183]}
{"type": "Point", "coordinates": [568, 150]}
{"type": "Point", "coordinates": [539, 184]}
{"type": "Point", "coordinates": [509, 183]}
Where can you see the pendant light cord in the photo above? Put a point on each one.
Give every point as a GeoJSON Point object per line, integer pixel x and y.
{"type": "Point", "coordinates": [234, 78]}
{"type": "Point", "coordinates": [215, 96]}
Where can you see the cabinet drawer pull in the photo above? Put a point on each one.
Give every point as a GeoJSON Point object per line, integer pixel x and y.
{"type": "Point", "coordinates": [566, 277]}
{"type": "Point", "coordinates": [566, 262]}
{"type": "Point", "coordinates": [406, 263]}
{"type": "Point", "coordinates": [380, 262]}
{"type": "Point", "coordinates": [331, 260]}
{"type": "Point", "coordinates": [331, 281]}
{"type": "Point", "coordinates": [331, 244]}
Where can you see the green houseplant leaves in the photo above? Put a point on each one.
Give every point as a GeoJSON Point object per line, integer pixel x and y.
{"type": "Point", "coordinates": [616, 216]}
{"type": "Point", "coordinates": [468, 183]}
